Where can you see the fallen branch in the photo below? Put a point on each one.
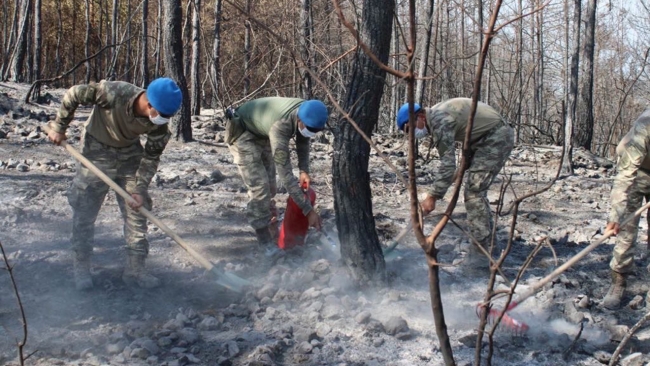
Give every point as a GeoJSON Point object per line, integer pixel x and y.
{"type": "Point", "coordinates": [627, 337]}
{"type": "Point", "coordinates": [21, 344]}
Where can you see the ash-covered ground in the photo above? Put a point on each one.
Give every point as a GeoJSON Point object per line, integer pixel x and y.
{"type": "Point", "coordinates": [302, 310]}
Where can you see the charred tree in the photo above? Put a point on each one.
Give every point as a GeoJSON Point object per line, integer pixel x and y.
{"type": "Point", "coordinates": [424, 55]}
{"type": "Point", "coordinates": [216, 51]}
{"type": "Point", "coordinates": [87, 43]}
{"type": "Point", "coordinates": [195, 108]}
{"type": "Point", "coordinates": [144, 58]}
{"type": "Point", "coordinates": [360, 248]}
{"type": "Point", "coordinates": [247, 50]}
{"type": "Point", "coordinates": [173, 58]}
{"type": "Point", "coordinates": [18, 60]}
{"type": "Point", "coordinates": [37, 43]}
{"type": "Point", "coordinates": [567, 167]}
{"type": "Point", "coordinates": [584, 131]}
{"type": "Point", "coordinates": [305, 47]}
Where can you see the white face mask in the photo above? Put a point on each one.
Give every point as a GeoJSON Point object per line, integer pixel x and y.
{"type": "Point", "coordinates": [308, 134]}
{"type": "Point", "coordinates": [158, 120]}
{"type": "Point", "coordinates": [421, 133]}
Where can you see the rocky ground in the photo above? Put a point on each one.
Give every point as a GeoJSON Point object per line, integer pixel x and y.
{"type": "Point", "coordinates": [302, 309]}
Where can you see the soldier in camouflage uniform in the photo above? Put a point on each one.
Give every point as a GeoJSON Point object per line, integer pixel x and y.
{"type": "Point", "coordinates": [121, 113]}
{"type": "Point", "coordinates": [631, 186]}
{"type": "Point", "coordinates": [492, 140]}
{"type": "Point", "coordinates": [259, 133]}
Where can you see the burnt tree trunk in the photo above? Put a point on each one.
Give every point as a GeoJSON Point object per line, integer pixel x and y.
{"type": "Point", "coordinates": [216, 51]}
{"type": "Point", "coordinates": [173, 58]}
{"type": "Point", "coordinates": [567, 168]}
{"type": "Point", "coordinates": [87, 43]}
{"type": "Point", "coordinates": [424, 54]}
{"type": "Point", "coordinates": [305, 47]}
{"type": "Point", "coordinates": [584, 131]}
{"type": "Point", "coordinates": [18, 60]}
{"type": "Point", "coordinates": [195, 108]}
{"type": "Point", "coordinates": [37, 44]}
{"type": "Point", "coordinates": [159, 40]}
{"type": "Point", "coordinates": [247, 50]}
{"type": "Point", "coordinates": [360, 248]}
{"type": "Point", "coordinates": [144, 58]}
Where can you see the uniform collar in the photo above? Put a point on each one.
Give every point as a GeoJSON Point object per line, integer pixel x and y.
{"type": "Point", "coordinates": [131, 104]}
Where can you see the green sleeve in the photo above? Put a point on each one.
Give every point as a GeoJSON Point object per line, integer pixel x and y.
{"type": "Point", "coordinates": [90, 94]}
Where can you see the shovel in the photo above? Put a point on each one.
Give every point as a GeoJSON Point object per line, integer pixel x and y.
{"type": "Point", "coordinates": [520, 327]}
{"type": "Point", "coordinates": [225, 279]}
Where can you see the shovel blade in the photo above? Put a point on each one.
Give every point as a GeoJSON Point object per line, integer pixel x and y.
{"type": "Point", "coordinates": [229, 280]}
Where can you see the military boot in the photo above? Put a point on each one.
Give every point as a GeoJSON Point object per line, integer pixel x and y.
{"type": "Point", "coordinates": [266, 242]}
{"type": "Point", "coordinates": [135, 273]}
{"type": "Point", "coordinates": [82, 279]}
{"type": "Point", "coordinates": [476, 262]}
{"type": "Point", "coordinates": [613, 298]}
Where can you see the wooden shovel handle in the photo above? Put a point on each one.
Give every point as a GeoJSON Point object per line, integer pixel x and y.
{"type": "Point", "coordinates": [146, 213]}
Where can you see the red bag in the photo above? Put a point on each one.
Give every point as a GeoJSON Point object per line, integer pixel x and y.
{"type": "Point", "coordinates": [295, 225]}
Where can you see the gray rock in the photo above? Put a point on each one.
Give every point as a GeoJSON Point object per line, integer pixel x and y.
{"type": "Point", "coordinates": [164, 342]}
{"type": "Point", "coordinates": [468, 340]}
{"type": "Point", "coordinates": [140, 353]}
{"type": "Point", "coordinates": [116, 348]}
{"type": "Point", "coordinates": [217, 176]}
{"type": "Point", "coordinates": [377, 342]}
{"type": "Point", "coordinates": [174, 324]}
{"type": "Point", "coordinates": [178, 350]}
{"type": "Point", "coordinates": [602, 356]}
{"type": "Point", "coordinates": [209, 323]}
{"type": "Point", "coordinates": [584, 302]}
{"type": "Point", "coordinates": [22, 167]}
{"type": "Point", "coordinates": [363, 317]}
{"type": "Point", "coordinates": [310, 293]}
{"type": "Point", "coordinates": [375, 326]}
{"type": "Point", "coordinates": [151, 346]}
{"type": "Point", "coordinates": [617, 332]}
{"type": "Point", "coordinates": [571, 313]}
{"type": "Point", "coordinates": [636, 303]}
{"type": "Point", "coordinates": [152, 360]}
{"type": "Point", "coordinates": [305, 348]}
{"type": "Point", "coordinates": [233, 349]}
{"type": "Point", "coordinates": [322, 330]}
{"type": "Point", "coordinates": [320, 266]}
{"type": "Point", "coordinates": [192, 358]}
{"type": "Point", "coordinates": [189, 335]}
{"type": "Point", "coordinates": [635, 359]}
{"type": "Point", "coordinates": [223, 361]}
{"type": "Point", "coordinates": [304, 335]}
{"type": "Point", "coordinates": [268, 290]}
{"type": "Point", "coordinates": [394, 325]}
{"type": "Point", "coordinates": [333, 311]}
{"type": "Point", "coordinates": [403, 336]}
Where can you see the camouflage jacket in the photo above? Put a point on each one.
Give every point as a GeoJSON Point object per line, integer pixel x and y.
{"type": "Point", "coordinates": [113, 123]}
{"type": "Point", "coordinates": [276, 118]}
{"type": "Point", "coordinates": [632, 153]}
{"type": "Point", "coordinates": [446, 122]}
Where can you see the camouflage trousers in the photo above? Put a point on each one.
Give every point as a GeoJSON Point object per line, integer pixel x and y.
{"type": "Point", "coordinates": [257, 169]}
{"type": "Point", "coordinates": [87, 194]}
{"type": "Point", "coordinates": [623, 254]}
{"type": "Point", "coordinates": [489, 156]}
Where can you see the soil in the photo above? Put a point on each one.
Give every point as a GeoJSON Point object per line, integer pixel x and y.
{"type": "Point", "coordinates": [303, 309]}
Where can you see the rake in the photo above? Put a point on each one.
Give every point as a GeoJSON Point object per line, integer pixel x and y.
{"type": "Point", "coordinates": [521, 327]}
{"type": "Point", "coordinates": [222, 278]}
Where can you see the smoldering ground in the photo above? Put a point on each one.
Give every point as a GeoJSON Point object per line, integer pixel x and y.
{"type": "Point", "coordinates": [304, 309]}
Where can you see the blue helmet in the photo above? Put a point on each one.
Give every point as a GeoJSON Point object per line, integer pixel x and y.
{"type": "Point", "coordinates": [313, 113]}
{"type": "Point", "coordinates": [403, 114]}
{"type": "Point", "coordinates": [165, 96]}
